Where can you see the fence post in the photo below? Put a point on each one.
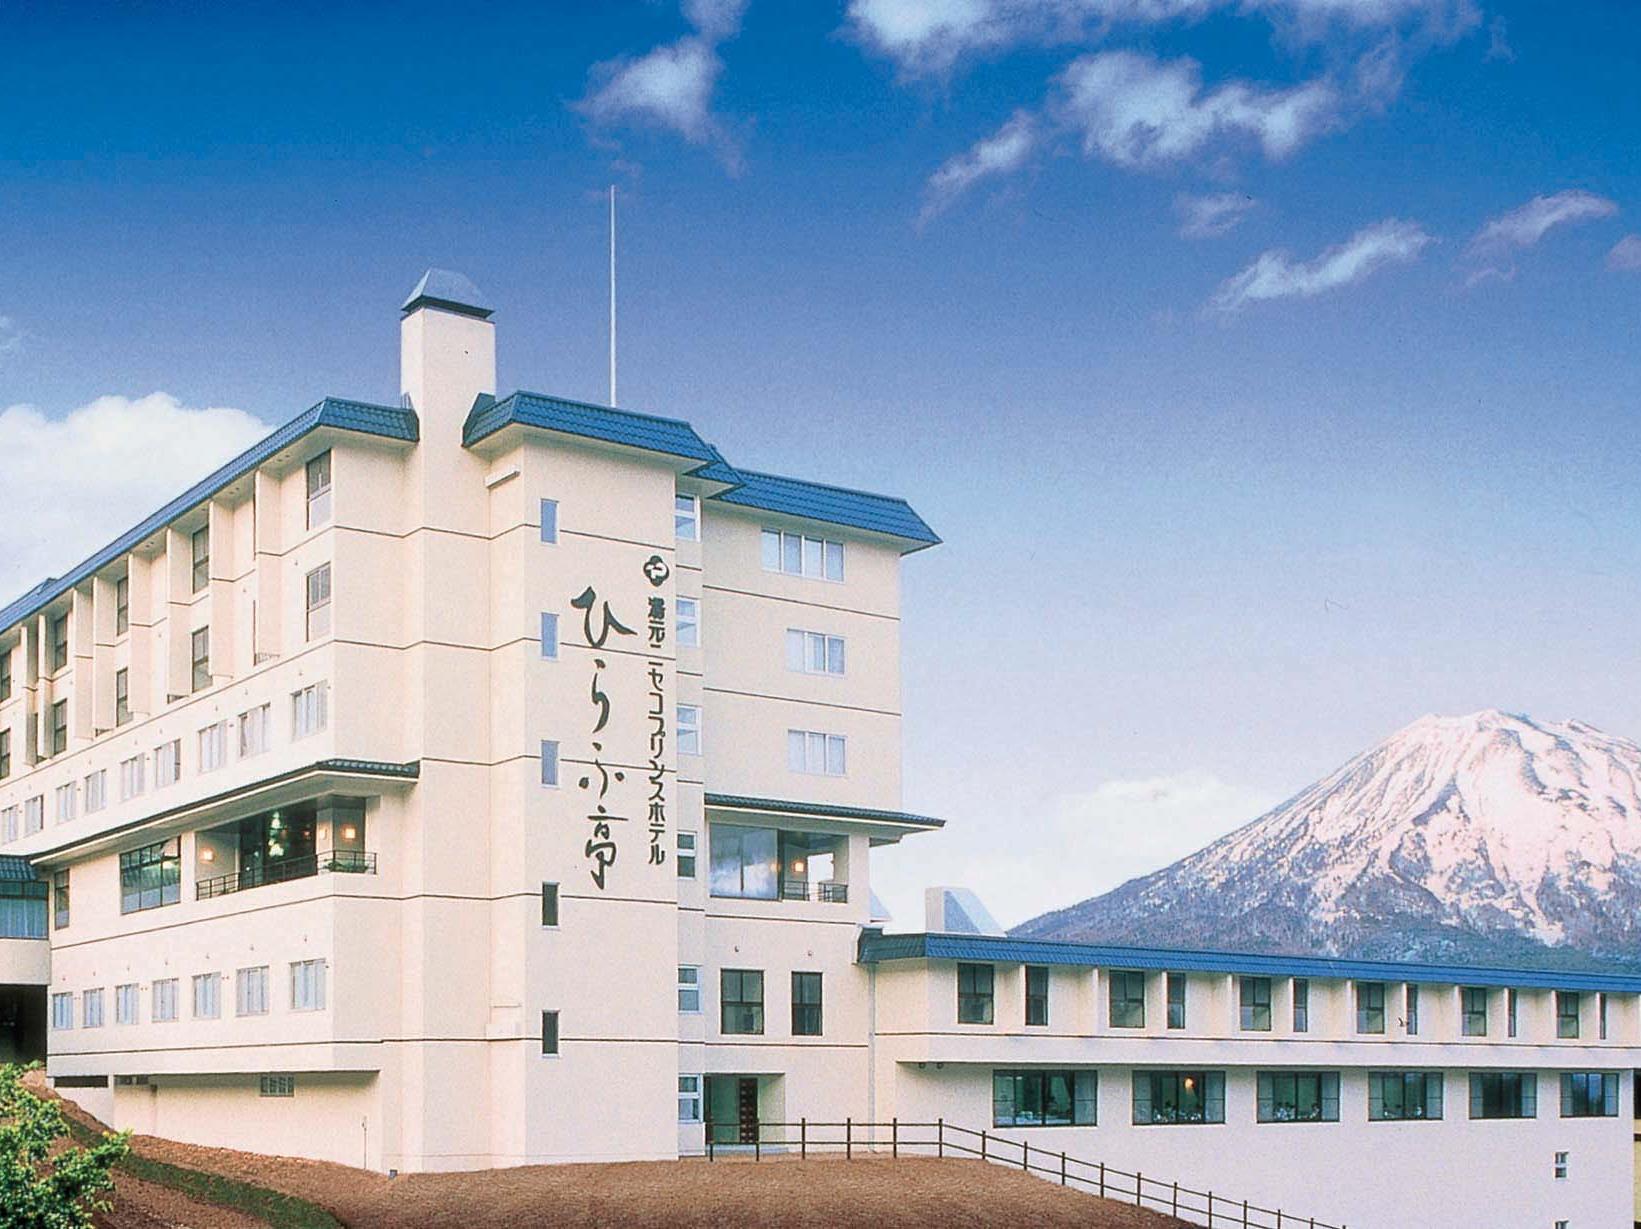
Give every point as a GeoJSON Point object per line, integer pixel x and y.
{"type": "Point", "coordinates": [1025, 1156]}
{"type": "Point", "coordinates": [982, 1145]}
{"type": "Point", "coordinates": [1139, 1187]}
{"type": "Point", "coordinates": [758, 1142]}
{"type": "Point", "coordinates": [1244, 1214]}
{"type": "Point", "coordinates": [940, 1139]}
{"type": "Point", "coordinates": [894, 1138]}
{"type": "Point", "coordinates": [1063, 1169]}
{"type": "Point", "coordinates": [803, 1139]}
{"type": "Point", "coordinates": [1175, 1206]}
{"type": "Point", "coordinates": [1102, 1179]}
{"type": "Point", "coordinates": [848, 1139]}
{"type": "Point", "coordinates": [1210, 1210]}
{"type": "Point", "coordinates": [710, 1140]}
{"type": "Point", "coordinates": [1279, 1218]}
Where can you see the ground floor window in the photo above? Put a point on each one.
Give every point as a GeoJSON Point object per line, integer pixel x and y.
{"type": "Point", "coordinates": [1298, 1096]}
{"type": "Point", "coordinates": [1589, 1094]}
{"type": "Point", "coordinates": [62, 1011]}
{"type": "Point", "coordinates": [1503, 1094]}
{"type": "Point", "coordinates": [1404, 1096]}
{"type": "Point", "coordinates": [1043, 1098]}
{"type": "Point", "coordinates": [689, 1098]}
{"type": "Point", "coordinates": [1168, 1097]}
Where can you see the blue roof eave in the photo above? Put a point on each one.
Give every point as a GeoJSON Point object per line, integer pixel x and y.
{"type": "Point", "coordinates": [388, 422]}
{"type": "Point", "coordinates": [875, 948]}
{"type": "Point", "coordinates": [815, 501]}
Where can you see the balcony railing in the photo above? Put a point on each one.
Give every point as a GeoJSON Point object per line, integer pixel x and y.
{"type": "Point", "coordinates": [827, 892]}
{"type": "Point", "coordinates": [339, 861]}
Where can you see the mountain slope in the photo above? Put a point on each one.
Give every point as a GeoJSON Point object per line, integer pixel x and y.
{"type": "Point", "coordinates": [1488, 838]}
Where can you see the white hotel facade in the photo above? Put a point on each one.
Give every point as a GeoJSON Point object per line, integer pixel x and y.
{"type": "Point", "coordinates": [485, 781]}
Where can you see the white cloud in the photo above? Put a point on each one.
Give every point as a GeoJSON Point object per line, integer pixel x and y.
{"type": "Point", "coordinates": [1139, 111]}
{"type": "Point", "coordinates": [11, 337]}
{"type": "Point", "coordinates": [1276, 275]}
{"type": "Point", "coordinates": [77, 482]}
{"type": "Point", "coordinates": [1005, 151]}
{"type": "Point", "coordinates": [1208, 217]}
{"type": "Point", "coordinates": [929, 37]}
{"type": "Point", "coordinates": [1525, 225]}
{"type": "Point", "coordinates": [1625, 256]}
{"type": "Point", "coordinates": [1080, 844]}
{"type": "Point", "coordinates": [671, 86]}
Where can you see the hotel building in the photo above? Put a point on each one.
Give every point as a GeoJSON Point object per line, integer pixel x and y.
{"type": "Point", "coordinates": [488, 780]}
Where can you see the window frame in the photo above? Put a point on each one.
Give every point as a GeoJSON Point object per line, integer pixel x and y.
{"type": "Point", "coordinates": [1291, 1082]}
{"type": "Point", "coordinates": [548, 635]}
{"type": "Point", "coordinates": [688, 731]}
{"type": "Point", "coordinates": [122, 605]}
{"type": "Point", "coordinates": [692, 621]}
{"type": "Point", "coordinates": [1132, 1005]}
{"type": "Point", "coordinates": [686, 511]}
{"type": "Point", "coordinates": [317, 606]}
{"type": "Point", "coordinates": [1578, 1100]}
{"type": "Point", "coordinates": [779, 545]}
{"type": "Point", "coordinates": [318, 495]}
{"type": "Point", "coordinates": [547, 522]}
{"type": "Point", "coordinates": [1473, 1011]}
{"type": "Point", "coordinates": [1250, 1009]}
{"type": "Point", "coordinates": [550, 1039]}
{"type": "Point", "coordinates": [977, 1003]}
{"type": "Point", "coordinates": [803, 1008]}
{"type": "Point", "coordinates": [1175, 982]}
{"type": "Point", "coordinates": [686, 854]}
{"type": "Point", "coordinates": [1569, 1023]}
{"type": "Point", "coordinates": [1523, 1094]}
{"type": "Point", "coordinates": [753, 1007]}
{"type": "Point", "coordinates": [199, 547]}
{"type": "Point", "coordinates": [1037, 999]}
{"type": "Point", "coordinates": [1210, 1099]}
{"type": "Point", "coordinates": [251, 993]}
{"type": "Point", "coordinates": [138, 882]}
{"type": "Point", "coordinates": [550, 905]}
{"type": "Point", "coordinates": [199, 659]}
{"type": "Point", "coordinates": [1379, 1081]}
{"type": "Point", "coordinates": [691, 1099]}
{"type": "Point", "coordinates": [1366, 1011]}
{"type": "Point", "coordinates": [689, 985]}
{"type": "Point", "coordinates": [1082, 1089]}
{"type": "Point", "coordinates": [803, 762]}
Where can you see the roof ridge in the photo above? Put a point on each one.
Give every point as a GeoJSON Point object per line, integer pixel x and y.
{"type": "Point", "coordinates": [593, 405]}
{"type": "Point", "coordinates": [825, 486]}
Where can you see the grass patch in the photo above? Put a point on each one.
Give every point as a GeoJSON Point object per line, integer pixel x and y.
{"type": "Point", "coordinates": [285, 1211]}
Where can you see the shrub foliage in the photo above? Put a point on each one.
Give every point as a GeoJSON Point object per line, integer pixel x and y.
{"type": "Point", "coordinates": [46, 1182]}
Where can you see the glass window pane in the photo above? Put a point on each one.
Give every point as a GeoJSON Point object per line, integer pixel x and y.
{"type": "Point", "coordinates": [835, 755]}
{"type": "Point", "coordinates": [792, 553]}
{"type": "Point", "coordinates": [771, 550]}
{"type": "Point", "coordinates": [834, 561]}
{"type": "Point", "coordinates": [794, 649]}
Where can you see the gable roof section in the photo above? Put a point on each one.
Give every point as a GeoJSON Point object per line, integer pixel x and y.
{"type": "Point", "coordinates": [834, 504]}
{"type": "Point", "coordinates": [876, 946]}
{"type": "Point", "coordinates": [389, 422]}
{"type": "Point", "coordinates": [671, 436]}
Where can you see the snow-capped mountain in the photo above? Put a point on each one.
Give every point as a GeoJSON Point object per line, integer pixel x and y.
{"type": "Point", "coordinates": [1487, 838]}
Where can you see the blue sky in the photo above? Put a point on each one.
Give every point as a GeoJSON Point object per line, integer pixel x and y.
{"type": "Point", "coordinates": [1224, 502]}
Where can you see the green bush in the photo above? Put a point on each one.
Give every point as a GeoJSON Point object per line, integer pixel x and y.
{"type": "Point", "coordinates": [46, 1182]}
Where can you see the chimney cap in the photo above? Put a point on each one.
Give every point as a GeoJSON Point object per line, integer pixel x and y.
{"type": "Point", "coordinates": [452, 291]}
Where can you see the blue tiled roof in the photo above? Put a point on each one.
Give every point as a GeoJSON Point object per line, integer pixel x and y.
{"type": "Point", "coordinates": [671, 436]}
{"type": "Point", "coordinates": [387, 421]}
{"type": "Point", "coordinates": [777, 806]}
{"type": "Point", "coordinates": [13, 869]}
{"type": "Point", "coordinates": [446, 288]}
{"type": "Point", "coordinates": [835, 505]}
{"type": "Point", "coordinates": [876, 947]}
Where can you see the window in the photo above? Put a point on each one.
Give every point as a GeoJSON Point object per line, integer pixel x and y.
{"type": "Point", "coordinates": [549, 762]}
{"type": "Point", "coordinates": [1043, 1098]}
{"type": "Point", "coordinates": [812, 752]}
{"type": "Point", "coordinates": [151, 876]}
{"type": "Point", "coordinates": [319, 490]}
{"type": "Point", "coordinates": [689, 729]}
{"type": "Point", "coordinates": [1301, 1005]}
{"type": "Point", "coordinates": [308, 985]}
{"type": "Point", "coordinates": [689, 1098]}
{"type": "Point", "coordinates": [976, 999]}
{"type": "Point", "coordinates": [163, 1004]}
{"type": "Point", "coordinates": [1037, 995]}
{"type": "Point", "coordinates": [1601, 1016]}
{"type": "Point", "coordinates": [91, 1009]}
{"type": "Point", "coordinates": [122, 697]}
{"type": "Point", "coordinates": [686, 855]}
{"type": "Point", "coordinates": [59, 727]}
{"type": "Point", "coordinates": [1126, 993]}
{"type": "Point", "coordinates": [813, 652]}
{"type": "Point", "coordinates": [1370, 1007]}
{"type": "Point", "coordinates": [549, 636]}
{"type": "Point", "coordinates": [1567, 1014]}
{"type": "Point", "coordinates": [122, 605]}
{"type": "Point", "coordinates": [689, 623]}
{"type": "Point", "coordinates": [319, 602]}
{"type": "Point", "coordinates": [1559, 1167]}
{"type": "Point", "coordinates": [59, 899]}
{"type": "Point", "coordinates": [66, 796]}
{"type": "Point", "coordinates": [689, 990]}
{"type": "Point", "coordinates": [1589, 1094]}
{"type": "Point", "coordinates": [5, 674]}
{"type": "Point", "coordinates": [96, 790]}
{"type": "Point", "coordinates": [251, 991]}
{"type": "Point", "coordinates": [59, 642]}
{"type": "Point", "coordinates": [741, 1001]}
{"type": "Point", "coordinates": [207, 996]}
{"type": "Point", "coordinates": [1178, 1097]}
{"type": "Point", "coordinates": [1404, 1096]}
{"type": "Point", "coordinates": [1410, 1019]}
{"type": "Point", "coordinates": [62, 1011]}
{"type": "Point", "coordinates": [806, 1004]}
{"type": "Point", "coordinates": [1473, 1011]}
{"type": "Point", "coordinates": [200, 647]}
{"type": "Point", "coordinates": [549, 904]}
{"type": "Point", "coordinates": [797, 555]}
{"type": "Point", "coordinates": [34, 814]}
{"type": "Point", "coordinates": [745, 862]}
{"type": "Point", "coordinates": [253, 731]}
{"type": "Point", "coordinates": [167, 763]}
{"type": "Point", "coordinates": [23, 909]}
{"type": "Point", "coordinates": [310, 710]}
{"type": "Point", "coordinates": [1176, 1000]}
{"type": "Point", "coordinates": [201, 544]}
{"type": "Point", "coordinates": [549, 520]}
{"type": "Point", "coordinates": [276, 1086]}
{"type": "Point", "coordinates": [213, 746]}
{"type": "Point", "coordinates": [1503, 1094]}
{"type": "Point", "coordinates": [1256, 1004]}
{"type": "Point", "coordinates": [686, 517]}
{"type": "Point", "coordinates": [1298, 1096]}
{"type": "Point", "coordinates": [125, 1004]}
{"type": "Point", "coordinates": [8, 824]}
{"type": "Point", "coordinates": [5, 754]}
{"type": "Point", "coordinates": [1510, 1011]}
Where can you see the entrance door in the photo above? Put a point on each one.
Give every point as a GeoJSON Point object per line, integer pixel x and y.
{"type": "Point", "coordinates": [746, 1108]}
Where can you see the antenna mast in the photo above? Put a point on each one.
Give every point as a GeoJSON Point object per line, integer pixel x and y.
{"type": "Point", "coordinates": [612, 294]}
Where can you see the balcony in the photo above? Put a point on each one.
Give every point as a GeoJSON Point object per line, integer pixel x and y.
{"type": "Point", "coordinates": [826, 892]}
{"type": "Point", "coordinates": [339, 862]}
{"type": "Point", "coordinates": [754, 863]}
